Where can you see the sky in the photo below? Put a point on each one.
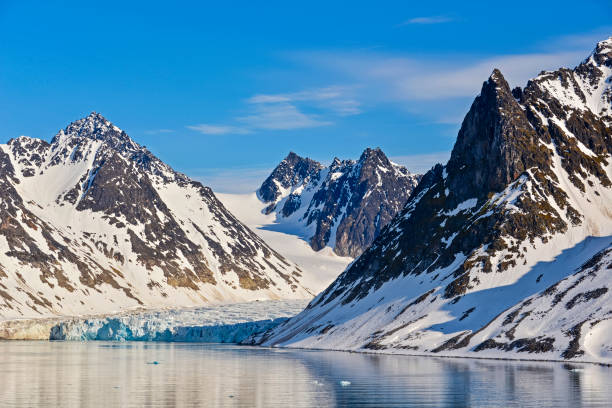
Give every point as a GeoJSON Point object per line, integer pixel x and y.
{"type": "Point", "coordinates": [222, 91]}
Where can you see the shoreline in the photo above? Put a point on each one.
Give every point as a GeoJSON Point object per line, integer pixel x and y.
{"type": "Point", "coordinates": [430, 355]}
{"type": "Point", "coordinates": [45, 336]}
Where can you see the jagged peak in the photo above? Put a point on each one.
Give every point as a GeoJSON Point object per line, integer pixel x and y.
{"type": "Point", "coordinates": [294, 159]}
{"type": "Point", "coordinates": [75, 142]}
{"type": "Point", "coordinates": [493, 144]}
{"type": "Point", "coordinates": [292, 156]}
{"type": "Point", "coordinates": [496, 81]}
{"type": "Point", "coordinates": [291, 171]}
{"type": "Point", "coordinates": [92, 122]}
{"type": "Point", "coordinates": [496, 76]}
{"type": "Point", "coordinates": [23, 139]}
{"type": "Point", "coordinates": [377, 157]}
{"type": "Point", "coordinates": [602, 54]}
{"type": "Point", "coordinates": [604, 46]}
{"type": "Point", "coordinates": [369, 154]}
{"type": "Point", "coordinates": [93, 126]}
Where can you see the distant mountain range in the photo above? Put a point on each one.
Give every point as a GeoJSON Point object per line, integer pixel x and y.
{"type": "Point", "coordinates": [94, 223]}
{"type": "Point", "coordinates": [506, 250]}
{"type": "Point", "coordinates": [344, 205]}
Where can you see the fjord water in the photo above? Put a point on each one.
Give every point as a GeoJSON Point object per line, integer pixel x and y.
{"type": "Point", "coordinates": [180, 374]}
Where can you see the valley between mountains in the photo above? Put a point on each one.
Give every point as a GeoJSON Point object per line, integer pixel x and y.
{"type": "Point", "coordinates": [503, 251]}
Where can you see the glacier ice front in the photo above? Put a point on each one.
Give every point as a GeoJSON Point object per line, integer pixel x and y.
{"type": "Point", "coordinates": [231, 323]}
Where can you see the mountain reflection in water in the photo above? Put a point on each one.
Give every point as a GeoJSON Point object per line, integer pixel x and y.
{"type": "Point", "coordinates": [179, 374]}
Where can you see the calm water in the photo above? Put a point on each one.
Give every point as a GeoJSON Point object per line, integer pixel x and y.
{"type": "Point", "coordinates": [161, 374]}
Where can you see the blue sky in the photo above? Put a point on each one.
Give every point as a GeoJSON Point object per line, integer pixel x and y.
{"type": "Point", "coordinates": [223, 92]}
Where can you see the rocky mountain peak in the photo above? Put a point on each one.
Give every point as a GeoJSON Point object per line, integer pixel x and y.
{"type": "Point", "coordinates": [496, 88]}
{"type": "Point", "coordinates": [95, 216]}
{"type": "Point", "coordinates": [373, 155]}
{"type": "Point", "coordinates": [95, 137]}
{"type": "Point", "coordinates": [495, 144]}
{"type": "Point", "coordinates": [602, 54]}
{"type": "Point", "coordinates": [497, 78]}
{"type": "Point", "coordinates": [94, 127]}
{"type": "Point", "coordinates": [345, 205]}
{"type": "Point", "coordinates": [292, 157]}
{"type": "Point", "coordinates": [293, 171]}
{"type": "Point", "coordinates": [500, 236]}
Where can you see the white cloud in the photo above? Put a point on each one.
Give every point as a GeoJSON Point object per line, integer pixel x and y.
{"type": "Point", "coordinates": [421, 163]}
{"type": "Point", "coordinates": [268, 98]}
{"type": "Point", "coordinates": [428, 20]}
{"type": "Point", "coordinates": [208, 129]}
{"type": "Point", "coordinates": [158, 131]}
{"type": "Point", "coordinates": [585, 41]}
{"type": "Point", "coordinates": [390, 77]}
{"type": "Point", "coordinates": [337, 99]}
{"type": "Point", "coordinates": [436, 87]}
{"type": "Point", "coordinates": [280, 116]}
{"type": "Point", "coordinates": [288, 111]}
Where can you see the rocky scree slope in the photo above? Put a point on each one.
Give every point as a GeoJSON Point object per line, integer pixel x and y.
{"type": "Point", "coordinates": [505, 250]}
{"type": "Point", "coordinates": [94, 223]}
{"type": "Point", "coordinates": [344, 205]}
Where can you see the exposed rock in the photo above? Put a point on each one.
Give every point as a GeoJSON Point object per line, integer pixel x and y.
{"type": "Point", "coordinates": [510, 238]}
{"type": "Point", "coordinates": [93, 222]}
{"type": "Point", "coordinates": [345, 205]}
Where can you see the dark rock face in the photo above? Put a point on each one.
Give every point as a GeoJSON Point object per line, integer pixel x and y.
{"type": "Point", "coordinates": [346, 205]}
{"type": "Point", "coordinates": [292, 171]}
{"type": "Point", "coordinates": [495, 147]}
{"type": "Point", "coordinates": [96, 206]}
{"type": "Point", "coordinates": [529, 175]}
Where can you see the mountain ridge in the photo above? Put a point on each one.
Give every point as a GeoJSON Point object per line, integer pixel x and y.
{"type": "Point", "coordinates": [523, 202]}
{"type": "Point", "coordinates": [343, 205]}
{"type": "Point", "coordinates": [94, 216]}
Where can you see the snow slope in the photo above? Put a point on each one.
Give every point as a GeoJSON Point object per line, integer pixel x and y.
{"type": "Point", "coordinates": [320, 267]}
{"type": "Point", "coordinates": [343, 206]}
{"type": "Point", "coordinates": [503, 252]}
{"type": "Point", "coordinates": [94, 223]}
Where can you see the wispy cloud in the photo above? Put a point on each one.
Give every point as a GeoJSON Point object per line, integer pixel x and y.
{"type": "Point", "coordinates": [288, 111]}
{"type": "Point", "coordinates": [280, 116]}
{"type": "Point", "coordinates": [585, 40]}
{"type": "Point", "coordinates": [421, 163]}
{"type": "Point", "coordinates": [428, 20]}
{"type": "Point", "coordinates": [437, 87]}
{"type": "Point", "coordinates": [158, 131]}
{"type": "Point", "coordinates": [405, 77]}
{"type": "Point", "coordinates": [337, 99]}
{"type": "Point", "coordinates": [432, 85]}
{"type": "Point", "coordinates": [208, 129]}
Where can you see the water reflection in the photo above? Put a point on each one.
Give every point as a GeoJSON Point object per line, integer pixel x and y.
{"type": "Point", "coordinates": [161, 374]}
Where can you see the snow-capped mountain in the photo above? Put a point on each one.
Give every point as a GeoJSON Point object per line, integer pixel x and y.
{"type": "Point", "coordinates": [505, 250]}
{"type": "Point", "coordinates": [93, 223]}
{"type": "Point", "coordinates": [344, 205]}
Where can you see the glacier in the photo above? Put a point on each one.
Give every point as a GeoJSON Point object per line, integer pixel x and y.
{"type": "Point", "coordinates": [227, 323]}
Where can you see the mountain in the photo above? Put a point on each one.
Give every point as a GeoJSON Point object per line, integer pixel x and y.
{"type": "Point", "coordinates": [344, 205]}
{"type": "Point", "coordinates": [505, 250]}
{"type": "Point", "coordinates": [93, 222]}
